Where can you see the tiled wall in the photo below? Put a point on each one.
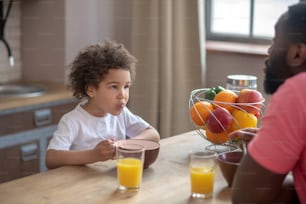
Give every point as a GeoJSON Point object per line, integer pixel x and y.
{"type": "Point", "coordinates": [43, 47]}
{"type": "Point", "coordinates": [13, 35]}
{"type": "Point", "coordinates": [45, 35]}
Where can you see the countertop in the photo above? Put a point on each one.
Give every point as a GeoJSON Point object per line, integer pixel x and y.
{"type": "Point", "coordinates": [56, 92]}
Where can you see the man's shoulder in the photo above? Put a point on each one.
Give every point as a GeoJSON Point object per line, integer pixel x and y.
{"type": "Point", "coordinates": [298, 78]}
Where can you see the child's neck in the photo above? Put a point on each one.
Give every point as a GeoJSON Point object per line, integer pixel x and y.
{"type": "Point", "coordinates": [92, 110]}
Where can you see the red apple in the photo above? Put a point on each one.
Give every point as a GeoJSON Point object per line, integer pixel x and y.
{"type": "Point", "coordinates": [219, 120]}
{"type": "Point", "coordinates": [250, 96]}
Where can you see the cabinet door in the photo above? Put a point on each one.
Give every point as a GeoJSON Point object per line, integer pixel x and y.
{"type": "Point", "coordinates": [35, 118]}
{"type": "Point", "coordinates": [16, 122]}
{"type": "Point", "coordinates": [19, 161]}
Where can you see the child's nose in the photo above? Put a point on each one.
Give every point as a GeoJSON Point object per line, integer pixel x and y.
{"type": "Point", "coordinates": [122, 93]}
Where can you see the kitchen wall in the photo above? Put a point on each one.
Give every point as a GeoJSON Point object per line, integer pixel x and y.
{"type": "Point", "coordinates": [55, 30]}
{"type": "Point", "coordinates": [221, 64]}
{"type": "Point", "coordinates": [47, 34]}
{"type": "Point", "coordinates": [12, 34]}
{"type": "Point", "coordinates": [95, 20]}
{"type": "Point", "coordinates": [43, 40]}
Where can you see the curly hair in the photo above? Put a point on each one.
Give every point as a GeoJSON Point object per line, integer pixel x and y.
{"type": "Point", "coordinates": [93, 63]}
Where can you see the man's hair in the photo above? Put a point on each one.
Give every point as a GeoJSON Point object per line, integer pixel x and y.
{"type": "Point", "coordinates": [296, 22]}
{"type": "Point", "coordinates": [93, 63]}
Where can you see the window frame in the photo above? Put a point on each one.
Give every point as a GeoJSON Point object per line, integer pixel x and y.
{"type": "Point", "coordinates": [232, 37]}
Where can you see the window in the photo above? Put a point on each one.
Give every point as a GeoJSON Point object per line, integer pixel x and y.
{"type": "Point", "coordinates": [243, 20]}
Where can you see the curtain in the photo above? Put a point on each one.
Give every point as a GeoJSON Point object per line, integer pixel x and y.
{"type": "Point", "coordinates": [166, 41]}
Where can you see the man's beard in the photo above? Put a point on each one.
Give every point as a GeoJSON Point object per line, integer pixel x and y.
{"type": "Point", "coordinates": [276, 72]}
{"type": "Point", "coordinates": [271, 83]}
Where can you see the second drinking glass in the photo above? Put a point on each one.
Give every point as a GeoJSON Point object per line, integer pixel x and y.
{"type": "Point", "coordinates": [202, 173]}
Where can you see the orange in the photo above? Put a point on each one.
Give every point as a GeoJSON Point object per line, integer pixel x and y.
{"type": "Point", "coordinates": [200, 111]}
{"type": "Point", "coordinates": [224, 97]}
{"type": "Point", "coordinates": [217, 138]}
{"type": "Point", "coordinates": [243, 119]}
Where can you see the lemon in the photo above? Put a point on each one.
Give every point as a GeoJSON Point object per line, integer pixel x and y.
{"type": "Point", "coordinates": [243, 119]}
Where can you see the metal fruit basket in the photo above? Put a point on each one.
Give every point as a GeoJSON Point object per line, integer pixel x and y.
{"type": "Point", "coordinates": [224, 144]}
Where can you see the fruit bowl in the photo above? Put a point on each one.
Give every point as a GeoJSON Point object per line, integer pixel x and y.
{"type": "Point", "coordinates": [215, 114]}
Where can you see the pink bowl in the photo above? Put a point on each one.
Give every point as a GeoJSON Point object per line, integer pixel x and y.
{"type": "Point", "coordinates": [151, 150]}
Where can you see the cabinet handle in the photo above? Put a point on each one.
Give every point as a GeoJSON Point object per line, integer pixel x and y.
{"type": "Point", "coordinates": [29, 152]}
{"type": "Point", "coordinates": [43, 117]}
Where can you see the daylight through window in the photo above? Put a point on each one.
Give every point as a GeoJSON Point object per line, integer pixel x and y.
{"type": "Point", "coordinates": [243, 20]}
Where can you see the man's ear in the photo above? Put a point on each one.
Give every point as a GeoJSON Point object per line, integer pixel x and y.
{"type": "Point", "coordinates": [296, 55]}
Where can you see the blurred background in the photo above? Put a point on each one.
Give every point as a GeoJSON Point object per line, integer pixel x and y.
{"type": "Point", "coordinates": [181, 45]}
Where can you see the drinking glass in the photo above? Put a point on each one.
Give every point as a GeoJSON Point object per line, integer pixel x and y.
{"type": "Point", "coordinates": [202, 173]}
{"type": "Point", "coordinates": [130, 159]}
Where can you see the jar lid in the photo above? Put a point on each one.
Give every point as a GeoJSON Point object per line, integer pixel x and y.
{"type": "Point", "coordinates": [242, 80]}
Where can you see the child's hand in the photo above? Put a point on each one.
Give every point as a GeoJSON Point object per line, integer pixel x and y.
{"type": "Point", "coordinates": [105, 150]}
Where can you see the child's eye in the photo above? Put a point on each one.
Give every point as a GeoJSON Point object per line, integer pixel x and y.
{"type": "Point", "coordinates": [127, 86]}
{"type": "Point", "coordinates": [114, 87]}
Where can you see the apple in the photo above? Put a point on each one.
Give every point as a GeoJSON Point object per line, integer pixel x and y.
{"type": "Point", "coordinates": [219, 120]}
{"type": "Point", "coordinates": [250, 96]}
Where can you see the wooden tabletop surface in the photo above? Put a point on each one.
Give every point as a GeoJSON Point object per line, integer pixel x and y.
{"type": "Point", "coordinates": [164, 182]}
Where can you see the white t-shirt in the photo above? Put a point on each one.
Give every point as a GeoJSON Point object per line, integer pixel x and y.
{"type": "Point", "coordinates": [79, 130]}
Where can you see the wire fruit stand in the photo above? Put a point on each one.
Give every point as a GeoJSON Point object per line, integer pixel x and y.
{"type": "Point", "coordinates": [215, 117]}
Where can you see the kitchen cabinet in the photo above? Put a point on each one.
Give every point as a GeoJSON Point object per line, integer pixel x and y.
{"type": "Point", "coordinates": [31, 118]}
{"type": "Point", "coordinates": [24, 137]}
{"type": "Point", "coordinates": [19, 161]}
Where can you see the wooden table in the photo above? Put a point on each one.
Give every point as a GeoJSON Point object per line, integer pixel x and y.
{"type": "Point", "coordinates": [166, 181]}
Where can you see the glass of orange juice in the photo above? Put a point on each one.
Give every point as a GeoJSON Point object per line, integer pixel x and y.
{"type": "Point", "coordinates": [130, 159]}
{"type": "Point", "coordinates": [202, 173]}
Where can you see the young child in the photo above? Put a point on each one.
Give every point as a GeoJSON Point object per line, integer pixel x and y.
{"type": "Point", "coordinates": [102, 74]}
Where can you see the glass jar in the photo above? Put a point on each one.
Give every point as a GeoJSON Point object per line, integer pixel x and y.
{"type": "Point", "coordinates": [238, 82]}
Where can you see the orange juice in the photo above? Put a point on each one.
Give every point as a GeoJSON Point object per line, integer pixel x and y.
{"type": "Point", "coordinates": [129, 172]}
{"type": "Point", "coordinates": [202, 180]}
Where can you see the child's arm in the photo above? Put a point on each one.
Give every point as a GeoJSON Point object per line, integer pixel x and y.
{"type": "Point", "coordinates": [149, 134]}
{"type": "Point", "coordinates": [103, 151]}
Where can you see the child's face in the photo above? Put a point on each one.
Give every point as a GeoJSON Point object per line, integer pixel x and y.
{"type": "Point", "coordinates": [112, 94]}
